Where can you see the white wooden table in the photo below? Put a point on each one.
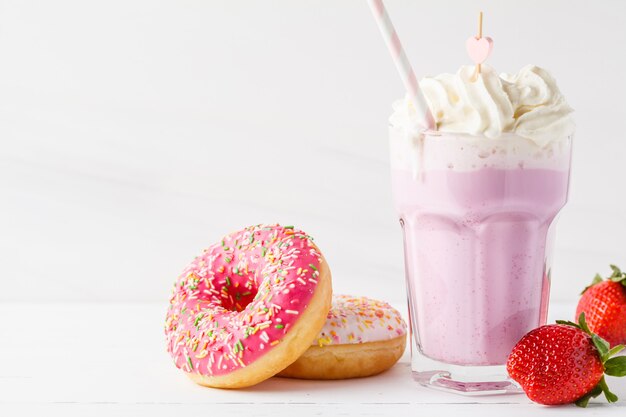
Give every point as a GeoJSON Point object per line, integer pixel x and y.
{"type": "Point", "coordinates": [110, 359]}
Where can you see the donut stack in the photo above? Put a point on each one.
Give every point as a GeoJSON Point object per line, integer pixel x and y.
{"type": "Point", "coordinates": [259, 303]}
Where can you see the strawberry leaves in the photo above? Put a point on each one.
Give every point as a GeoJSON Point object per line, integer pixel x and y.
{"type": "Point", "coordinates": [612, 366]}
{"type": "Point", "coordinates": [602, 346]}
{"type": "Point", "coordinates": [616, 271]}
{"type": "Point", "coordinates": [596, 280]}
{"type": "Point", "coordinates": [610, 397]}
{"type": "Point", "coordinates": [617, 349]}
{"type": "Point", "coordinates": [615, 366]}
{"type": "Point", "coordinates": [584, 400]}
{"type": "Point", "coordinates": [616, 276]}
{"type": "Point", "coordinates": [602, 387]}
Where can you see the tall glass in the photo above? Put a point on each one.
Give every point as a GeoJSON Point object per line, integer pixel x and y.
{"type": "Point", "coordinates": [477, 215]}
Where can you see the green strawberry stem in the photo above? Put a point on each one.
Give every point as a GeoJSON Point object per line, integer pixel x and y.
{"type": "Point", "coordinates": [614, 366]}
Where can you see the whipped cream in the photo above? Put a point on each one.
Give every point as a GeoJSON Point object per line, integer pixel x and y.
{"type": "Point", "coordinates": [461, 152]}
{"type": "Point", "coordinates": [528, 104]}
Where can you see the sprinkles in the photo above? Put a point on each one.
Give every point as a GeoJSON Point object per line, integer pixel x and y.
{"type": "Point", "coordinates": [236, 300]}
{"type": "Point", "coordinates": [354, 320]}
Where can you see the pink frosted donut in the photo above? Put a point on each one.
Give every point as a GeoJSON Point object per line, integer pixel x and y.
{"type": "Point", "coordinates": [248, 306]}
{"type": "Point", "coordinates": [361, 337]}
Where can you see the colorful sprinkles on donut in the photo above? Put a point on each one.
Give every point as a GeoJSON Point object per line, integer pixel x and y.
{"type": "Point", "coordinates": [360, 320]}
{"type": "Point", "coordinates": [237, 300]}
{"type": "Point", "coordinates": [361, 337]}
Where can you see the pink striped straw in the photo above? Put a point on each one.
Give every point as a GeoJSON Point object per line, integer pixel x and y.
{"type": "Point", "coordinates": [402, 63]}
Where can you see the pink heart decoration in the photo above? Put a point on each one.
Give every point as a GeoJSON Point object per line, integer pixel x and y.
{"type": "Point", "coordinates": [479, 48]}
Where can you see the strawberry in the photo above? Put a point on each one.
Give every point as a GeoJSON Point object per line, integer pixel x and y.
{"type": "Point", "coordinates": [604, 305]}
{"type": "Point", "coordinates": [564, 363]}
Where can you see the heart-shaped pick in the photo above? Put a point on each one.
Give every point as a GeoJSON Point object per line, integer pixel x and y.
{"type": "Point", "coordinates": [479, 48]}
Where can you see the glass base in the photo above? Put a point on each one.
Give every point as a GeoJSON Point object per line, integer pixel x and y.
{"type": "Point", "coordinates": [459, 379]}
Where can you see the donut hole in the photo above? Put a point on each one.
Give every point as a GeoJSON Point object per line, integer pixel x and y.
{"type": "Point", "coordinates": [238, 301]}
{"type": "Point", "coordinates": [237, 290]}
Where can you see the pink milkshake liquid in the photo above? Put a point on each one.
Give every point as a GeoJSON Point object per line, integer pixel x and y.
{"type": "Point", "coordinates": [477, 216]}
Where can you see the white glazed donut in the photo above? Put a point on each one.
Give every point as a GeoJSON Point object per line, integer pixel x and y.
{"type": "Point", "coordinates": [361, 337]}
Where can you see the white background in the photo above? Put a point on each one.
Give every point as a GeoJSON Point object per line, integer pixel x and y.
{"type": "Point", "coordinates": [133, 133]}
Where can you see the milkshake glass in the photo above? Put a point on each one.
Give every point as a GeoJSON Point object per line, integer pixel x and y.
{"type": "Point", "coordinates": [477, 217]}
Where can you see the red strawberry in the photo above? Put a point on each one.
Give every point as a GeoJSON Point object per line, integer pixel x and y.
{"type": "Point", "coordinates": [604, 305]}
{"type": "Point", "coordinates": [564, 363]}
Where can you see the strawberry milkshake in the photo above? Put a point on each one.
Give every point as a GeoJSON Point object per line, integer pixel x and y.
{"type": "Point", "coordinates": [477, 199]}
